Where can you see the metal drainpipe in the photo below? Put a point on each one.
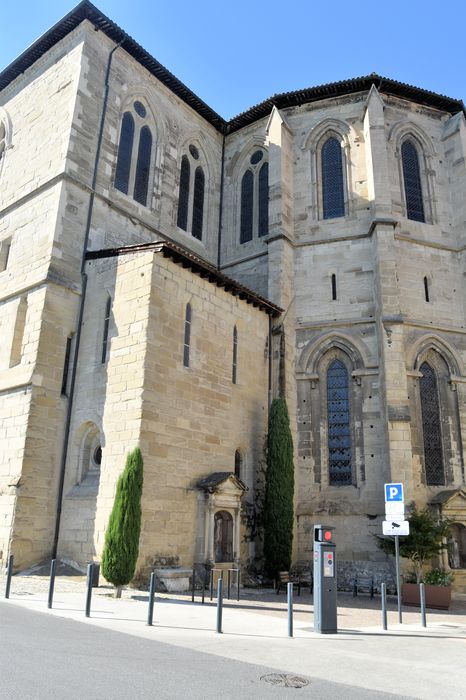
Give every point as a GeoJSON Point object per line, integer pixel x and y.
{"type": "Point", "coordinates": [270, 360]}
{"type": "Point", "coordinates": [220, 213]}
{"type": "Point", "coordinates": [61, 482]}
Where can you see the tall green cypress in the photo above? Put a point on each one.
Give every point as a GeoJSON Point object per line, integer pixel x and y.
{"type": "Point", "coordinates": [279, 488]}
{"type": "Point", "coordinates": [124, 527]}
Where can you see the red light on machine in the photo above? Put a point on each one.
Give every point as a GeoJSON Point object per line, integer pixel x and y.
{"type": "Point", "coordinates": [327, 535]}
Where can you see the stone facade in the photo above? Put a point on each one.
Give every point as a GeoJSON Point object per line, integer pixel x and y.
{"type": "Point", "coordinates": [372, 290]}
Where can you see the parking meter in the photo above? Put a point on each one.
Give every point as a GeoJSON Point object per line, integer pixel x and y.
{"type": "Point", "coordinates": [325, 580]}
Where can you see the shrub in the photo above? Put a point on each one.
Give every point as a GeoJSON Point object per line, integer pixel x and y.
{"type": "Point", "coordinates": [437, 577]}
{"type": "Point", "coordinates": [121, 546]}
{"type": "Point", "coordinates": [279, 490]}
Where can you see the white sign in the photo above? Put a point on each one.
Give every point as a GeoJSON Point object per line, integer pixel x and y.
{"type": "Point", "coordinates": [394, 492]}
{"type": "Point", "coordinates": [395, 527]}
{"type": "Point", "coordinates": [395, 509]}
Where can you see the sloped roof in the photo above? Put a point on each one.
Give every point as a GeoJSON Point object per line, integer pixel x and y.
{"type": "Point", "coordinates": [86, 10]}
{"type": "Point", "coordinates": [214, 480]}
{"type": "Point", "coordinates": [198, 265]}
{"type": "Point", "coordinates": [445, 496]}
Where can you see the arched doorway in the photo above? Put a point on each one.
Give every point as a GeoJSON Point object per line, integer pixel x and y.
{"type": "Point", "coordinates": [223, 536]}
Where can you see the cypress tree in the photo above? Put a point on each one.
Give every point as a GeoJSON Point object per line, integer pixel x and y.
{"type": "Point", "coordinates": [279, 488]}
{"type": "Point", "coordinates": [124, 527]}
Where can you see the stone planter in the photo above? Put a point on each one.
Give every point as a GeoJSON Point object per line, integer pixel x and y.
{"type": "Point", "coordinates": [437, 597]}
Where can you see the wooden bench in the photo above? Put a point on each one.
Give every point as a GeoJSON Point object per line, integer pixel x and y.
{"type": "Point", "coordinates": [363, 584]}
{"type": "Point", "coordinates": [284, 579]}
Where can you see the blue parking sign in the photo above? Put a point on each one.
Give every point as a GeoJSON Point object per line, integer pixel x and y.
{"type": "Point", "coordinates": [393, 493]}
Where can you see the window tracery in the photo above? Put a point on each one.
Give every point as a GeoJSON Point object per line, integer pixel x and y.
{"type": "Point", "coordinates": [132, 171]}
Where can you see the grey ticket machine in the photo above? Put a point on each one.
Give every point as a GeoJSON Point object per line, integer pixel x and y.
{"type": "Point", "coordinates": [325, 580]}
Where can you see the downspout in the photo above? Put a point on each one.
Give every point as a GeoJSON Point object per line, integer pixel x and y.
{"type": "Point", "coordinates": [220, 213]}
{"type": "Point", "coordinates": [69, 409]}
{"type": "Point", "coordinates": [270, 361]}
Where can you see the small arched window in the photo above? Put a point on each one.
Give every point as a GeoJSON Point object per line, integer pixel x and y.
{"type": "Point", "coordinates": [412, 182]}
{"type": "Point", "coordinates": [234, 364]}
{"type": "Point", "coordinates": [238, 464]}
{"type": "Point", "coordinates": [187, 335]}
{"type": "Point", "coordinates": [431, 426]}
{"type": "Point", "coordinates": [333, 190]}
{"type": "Point", "coordinates": [334, 287]}
{"type": "Point", "coordinates": [132, 171]}
{"type": "Point", "coordinates": [254, 208]}
{"type": "Point", "coordinates": [338, 425]}
{"type": "Point", "coordinates": [191, 193]}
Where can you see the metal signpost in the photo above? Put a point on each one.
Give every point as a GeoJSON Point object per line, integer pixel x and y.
{"type": "Point", "coordinates": [396, 526]}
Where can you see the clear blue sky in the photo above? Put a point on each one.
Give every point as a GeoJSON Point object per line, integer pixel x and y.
{"type": "Point", "coordinates": [234, 55]}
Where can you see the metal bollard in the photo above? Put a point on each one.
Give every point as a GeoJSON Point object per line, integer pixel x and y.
{"type": "Point", "coordinates": [290, 609]}
{"type": "Point", "coordinates": [150, 612]}
{"type": "Point", "coordinates": [204, 587]}
{"type": "Point", "coordinates": [53, 564]}
{"type": "Point", "coordinates": [422, 596]}
{"type": "Point", "coordinates": [211, 584]}
{"type": "Point", "coordinates": [383, 592]}
{"type": "Point", "coordinates": [229, 583]}
{"type": "Point", "coordinates": [90, 572]}
{"type": "Point", "coordinates": [237, 584]}
{"type": "Point", "coordinates": [219, 604]}
{"type": "Point", "coordinates": [194, 585]}
{"type": "Point", "coordinates": [9, 574]}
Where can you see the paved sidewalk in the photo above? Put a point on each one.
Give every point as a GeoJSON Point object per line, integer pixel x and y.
{"type": "Point", "coordinates": [407, 659]}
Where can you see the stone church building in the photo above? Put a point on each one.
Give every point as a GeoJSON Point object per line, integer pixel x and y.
{"type": "Point", "coordinates": [165, 273]}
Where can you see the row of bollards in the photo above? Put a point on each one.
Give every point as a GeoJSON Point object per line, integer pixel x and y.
{"type": "Point", "coordinates": [150, 613]}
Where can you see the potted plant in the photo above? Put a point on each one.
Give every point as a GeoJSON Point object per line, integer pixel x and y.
{"type": "Point", "coordinates": [427, 538]}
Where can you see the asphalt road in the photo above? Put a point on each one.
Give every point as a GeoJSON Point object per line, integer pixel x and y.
{"type": "Point", "coordinates": [43, 657]}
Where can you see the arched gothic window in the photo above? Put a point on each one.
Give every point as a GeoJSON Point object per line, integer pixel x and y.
{"type": "Point", "coordinates": [191, 194]}
{"type": "Point", "coordinates": [431, 426]}
{"type": "Point", "coordinates": [238, 464]}
{"type": "Point", "coordinates": [412, 181]}
{"type": "Point", "coordinates": [333, 189]}
{"type": "Point", "coordinates": [134, 154]}
{"type": "Point", "coordinates": [338, 425]}
{"type": "Point", "coordinates": [254, 209]}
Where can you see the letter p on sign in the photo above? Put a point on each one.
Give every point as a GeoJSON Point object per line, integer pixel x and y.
{"type": "Point", "coordinates": [394, 492]}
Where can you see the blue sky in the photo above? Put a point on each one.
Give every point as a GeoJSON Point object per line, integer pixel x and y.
{"type": "Point", "coordinates": [234, 55]}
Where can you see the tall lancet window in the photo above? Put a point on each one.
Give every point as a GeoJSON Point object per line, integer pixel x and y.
{"type": "Point", "coordinates": [412, 182]}
{"type": "Point", "coordinates": [333, 189]}
{"type": "Point", "coordinates": [254, 206]}
{"type": "Point", "coordinates": [338, 425]}
{"type": "Point", "coordinates": [431, 426]}
{"type": "Point", "coordinates": [132, 173]}
{"type": "Point", "coordinates": [192, 193]}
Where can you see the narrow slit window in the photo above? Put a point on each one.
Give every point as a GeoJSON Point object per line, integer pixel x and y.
{"type": "Point", "coordinates": [426, 289]}
{"type": "Point", "coordinates": [5, 246]}
{"type": "Point", "coordinates": [187, 335]}
{"type": "Point", "coordinates": [264, 200]}
{"type": "Point", "coordinates": [238, 464]}
{"type": "Point", "coordinates": [66, 368]}
{"type": "Point", "coordinates": [234, 368]}
{"type": "Point", "coordinates": [108, 307]}
{"type": "Point", "coordinates": [334, 287]}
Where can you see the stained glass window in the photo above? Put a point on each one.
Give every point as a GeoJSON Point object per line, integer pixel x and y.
{"type": "Point", "coordinates": [234, 367]}
{"type": "Point", "coordinates": [338, 421]}
{"type": "Point", "coordinates": [412, 182]}
{"type": "Point", "coordinates": [431, 429]}
{"type": "Point", "coordinates": [183, 200]}
{"type": "Point", "coordinates": [264, 200]}
{"type": "Point", "coordinates": [238, 464]}
{"type": "Point", "coordinates": [198, 203]}
{"type": "Point", "coordinates": [125, 150]}
{"type": "Point", "coordinates": [247, 204]}
{"type": "Point", "coordinates": [141, 180]}
{"type": "Point", "coordinates": [333, 196]}
{"type": "Point", "coordinates": [108, 308]}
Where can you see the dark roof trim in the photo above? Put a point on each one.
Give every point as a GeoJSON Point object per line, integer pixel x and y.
{"type": "Point", "coordinates": [346, 87]}
{"type": "Point", "coordinates": [213, 481]}
{"type": "Point", "coordinates": [200, 267]}
{"type": "Point", "coordinates": [86, 10]}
